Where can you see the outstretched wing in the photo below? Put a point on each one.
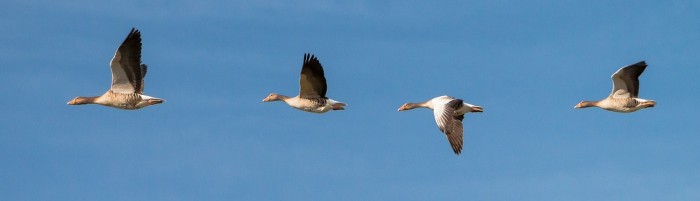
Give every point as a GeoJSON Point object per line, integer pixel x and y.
{"type": "Point", "coordinates": [127, 74]}
{"type": "Point", "coordinates": [449, 123]}
{"type": "Point", "coordinates": [456, 136]}
{"type": "Point", "coordinates": [626, 80]}
{"type": "Point", "coordinates": [312, 81]}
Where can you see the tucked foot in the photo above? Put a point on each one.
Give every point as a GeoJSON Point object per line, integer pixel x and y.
{"type": "Point", "coordinates": [338, 106]}
{"type": "Point", "coordinates": [648, 104]}
{"type": "Point", "coordinates": [155, 101]}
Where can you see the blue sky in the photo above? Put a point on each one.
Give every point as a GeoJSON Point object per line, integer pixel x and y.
{"type": "Point", "coordinates": [527, 63]}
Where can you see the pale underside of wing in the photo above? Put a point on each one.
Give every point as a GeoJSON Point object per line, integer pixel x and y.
{"type": "Point", "coordinates": [127, 72]}
{"type": "Point", "coordinates": [626, 81]}
{"type": "Point", "coordinates": [312, 81]}
{"type": "Point", "coordinates": [450, 124]}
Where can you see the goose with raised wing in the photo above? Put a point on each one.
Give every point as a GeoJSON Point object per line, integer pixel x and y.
{"type": "Point", "coordinates": [127, 79]}
{"type": "Point", "coordinates": [624, 96]}
{"type": "Point", "coordinates": [312, 92]}
{"type": "Point", "coordinates": [449, 113]}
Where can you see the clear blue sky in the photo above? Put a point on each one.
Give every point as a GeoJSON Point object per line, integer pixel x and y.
{"type": "Point", "coordinates": [527, 63]}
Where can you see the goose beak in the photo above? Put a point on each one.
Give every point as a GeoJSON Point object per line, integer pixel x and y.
{"type": "Point", "coordinates": [402, 108]}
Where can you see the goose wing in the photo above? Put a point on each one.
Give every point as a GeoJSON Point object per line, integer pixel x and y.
{"type": "Point", "coordinates": [312, 81]}
{"type": "Point", "coordinates": [127, 72]}
{"type": "Point", "coordinates": [456, 137]}
{"type": "Point", "coordinates": [144, 69]}
{"type": "Point", "coordinates": [450, 124]}
{"type": "Point", "coordinates": [626, 80]}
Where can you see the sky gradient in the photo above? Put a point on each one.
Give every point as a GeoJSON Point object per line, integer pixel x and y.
{"type": "Point", "coordinates": [526, 63]}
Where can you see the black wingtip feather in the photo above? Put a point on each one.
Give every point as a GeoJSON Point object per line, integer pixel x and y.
{"type": "Point", "coordinates": [308, 58]}
{"type": "Point", "coordinates": [641, 64]}
{"type": "Point", "coordinates": [636, 69]}
{"type": "Point", "coordinates": [144, 69]}
{"type": "Point", "coordinates": [134, 33]}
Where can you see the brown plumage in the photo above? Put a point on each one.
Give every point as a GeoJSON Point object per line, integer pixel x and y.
{"type": "Point", "coordinates": [312, 90]}
{"type": "Point", "coordinates": [625, 92]}
{"type": "Point", "coordinates": [449, 113]}
{"type": "Point", "coordinates": [312, 81]}
{"type": "Point", "coordinates": [127, 79]}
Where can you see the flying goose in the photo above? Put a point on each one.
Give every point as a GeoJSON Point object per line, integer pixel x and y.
{"type": "Point", "coordinates": [127, 79]}
{"type": "Point", "coordinates": [312, 93]}
{"type": "Point", "coordinates": [449, 113]}
{"type": "Point", "coordinates": [623, 97]}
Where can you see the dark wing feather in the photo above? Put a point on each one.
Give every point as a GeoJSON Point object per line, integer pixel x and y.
{"type": "Point", "coordinates": [456, 135]}
{"type": "Point", "coordinates": [126, 65]}
{"type": "Point", "coordinates": [630, 74]}
{"type": "Point", "coordinates": [312, 81]}
{"type": "Point", "coordinates": [144, 69]}
{"type": "Point", "coordinates": [454, 129]}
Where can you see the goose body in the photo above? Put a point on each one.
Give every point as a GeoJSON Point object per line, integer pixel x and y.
{"type": "Point", "coordinates": [312, 92]}
{"type": "Point", "coordinates": [624, 96]}
{"type": "Point", "coordinates": [127, 79]}
{"type": "Point", "coordinates": [448, 113]}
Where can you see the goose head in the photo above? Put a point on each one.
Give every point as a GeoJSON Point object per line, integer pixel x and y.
{"type": "Point", "coordinates": [408, 106]}
{"type": "Point", "coordinates": [81, 101]}
{"type": "Point", "coordinates": [273, 97]}
{"type": "Point", "coordinates": [585, 104]}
